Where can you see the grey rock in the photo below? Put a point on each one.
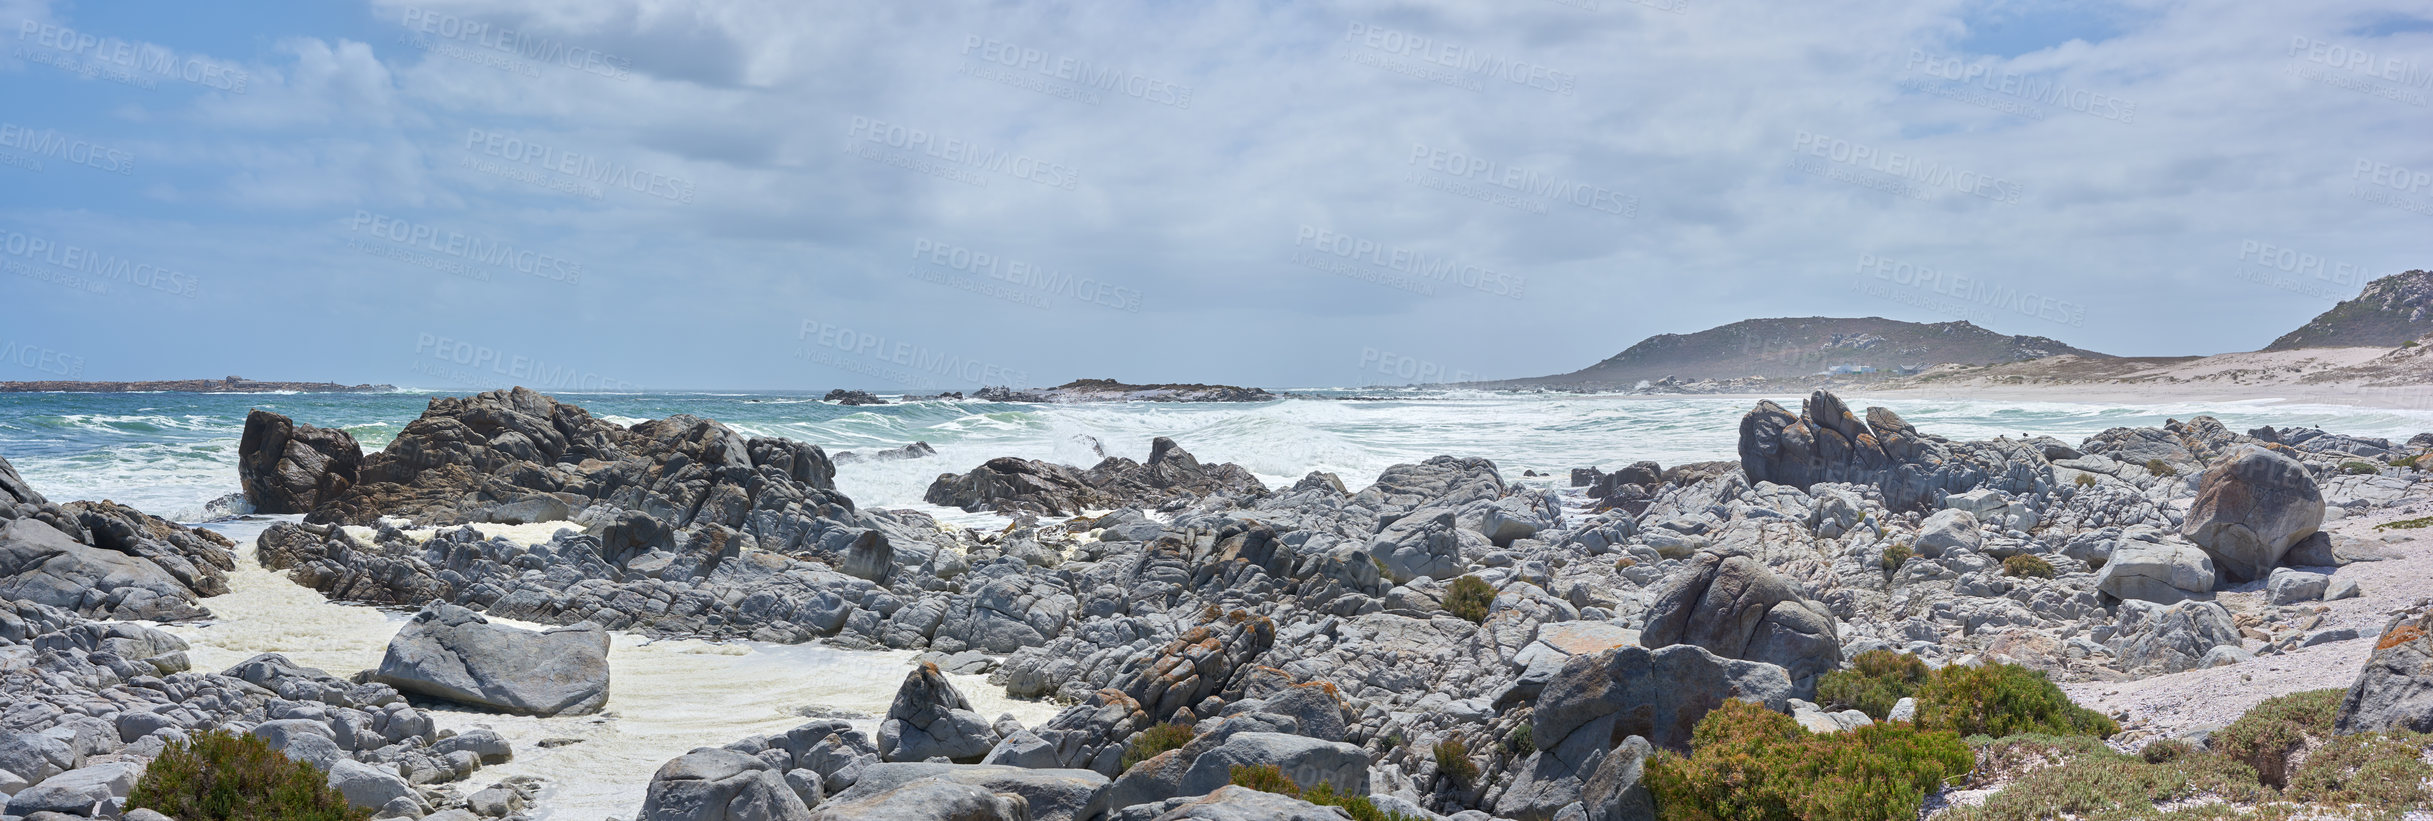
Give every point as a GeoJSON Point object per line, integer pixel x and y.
{"type": "Point", "coordinates": [1738, 608]}
{"type": "Point", "coordinates": [2341, 587]}
{"type": "Point", "coordinates": [1947, 529]}
{"type": "Point", "coordinates": [1614, 791]}
{"type": "Point", "coordinates": [930, 718]}
{"type": "Point", "coordinates": [1307, 761]}
{"type": "Point", "coordinates": [1655, 694]}
{"type": "Point", "coordinates": [82, 791]}
{"type": "Point", "coordinates": [455, 654]}
{"type": "Point", "coordinates": [1904, 710]}
{"type": "Point", "coordinates": [2286, 586]}
{"type": "Point", "coordinates": [1240, 804]}
{"type": "Point", "coordinates": [2156, 572]}
{"type": "Point", "coordinates": [2330, 635]}
{"type": "Point", "coordinates": [2250, 509]}
{"type": "Point", "coordinates": [483, 744]}
{"type": "Point", "coordinates": [2151, 638]}
{"type": "Point", "coordinates": [927, 799]}
{"type": "Point", "coordinates": [1051, 794]}
{"type": "Point", "coordinates": [2395, 690]}
{"type": "Point", "coordinates": [1023, 749]}
{"type": "Point", "coordinates": [711, 784]}
{"type": "Point", "coordinates": [368, 786]}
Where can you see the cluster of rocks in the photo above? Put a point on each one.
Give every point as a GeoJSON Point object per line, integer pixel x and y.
{"type": "Point", "coordinates": [88, 704]}
{"type": "Point", "coordinates": [104, 559]}
{"type": "Point", "coordinates": [1207, 600]}
{"type": "Point", "coordinates": [843, 396]}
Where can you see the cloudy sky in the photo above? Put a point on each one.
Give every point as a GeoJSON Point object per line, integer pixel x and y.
{"type": "Point", "coordinates": [623, 194]}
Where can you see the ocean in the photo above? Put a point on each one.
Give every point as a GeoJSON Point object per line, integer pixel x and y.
{"type": "Point", "coordinates": [172, 454]}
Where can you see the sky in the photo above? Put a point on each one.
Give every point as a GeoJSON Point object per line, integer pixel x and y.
{"type": "Point", "coordinates": [650, 195]}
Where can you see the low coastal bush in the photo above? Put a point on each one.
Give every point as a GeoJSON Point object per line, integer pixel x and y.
{"type": "Point", "coordinates": [1265, 778]}
{"type": "Point", "coordinates": [2027, 566]}
{"type": "Point", "coordinates": [2406, 524]}
{"type": "Point", "coordinates": [1875, 681]}
{"type": "Point", "coordinates": [2410, 462]}
{"type": "Point", "coordinates": [2159, 467]}
{"type": "Point", "coordinates": [2271, 731]}
{"type": "Point", "coordinates": [2084, 480]}
{"type": "Point", "coordinates": [1270, 778]}
{"type": "Point", "coordinates": [2003, 699]}
{"type": "Point", "coordinates": [1895, 555]}
{"type": "Point", "coordinates": [1468, 597]}
{"type": "Point", "coordinates": [1748, 763]}
{"type": "Point", "coordinates": [222, 776]}
{"type": "Point", "coordinates": [1522, 741]}
{"type": "Point", "coordinates": [1155, 740]}
{"type": "Point", "coordinates": [2359, 468]}
{"type": "Point", "coordinates": [1453, 759]}
{"type": "Point", "coordinates": [2284, 740]}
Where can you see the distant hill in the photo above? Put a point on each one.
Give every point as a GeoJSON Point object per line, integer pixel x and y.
{"type": "Point", "coordinates": [233, 384]}
{"type": "Point", "coordinates": [1801, 347]}
{"type": "Point", "coordinates": [2390, 311]}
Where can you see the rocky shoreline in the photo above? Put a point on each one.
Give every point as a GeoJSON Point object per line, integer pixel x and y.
{"type": "Point", "coordinates": [1441, 642]}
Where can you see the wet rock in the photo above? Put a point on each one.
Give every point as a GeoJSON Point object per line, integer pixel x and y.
{"type": "Point", "coordinates": [2250, 509]}
{"type": "Point", "coordinates": [452, 653]}
{"type": "Point", "coordinates": [290, 468]}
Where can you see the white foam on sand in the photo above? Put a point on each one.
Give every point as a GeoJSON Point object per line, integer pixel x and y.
{"type": "Point", "coordinates": [666, 697]}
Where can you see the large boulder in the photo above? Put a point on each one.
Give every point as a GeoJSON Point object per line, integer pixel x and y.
{"type": "Point", "coordinates": [2152, 639]}
{"type": "Point", "coordinates": [1735, 606]}
{"type": "Point", "coordinates": [711, 784]}
{"type": "Point", "coordinates": [1015, 486]}
{"type": "Point", "coordinates": [81, 792]}
{"type": "Point", "coordinates": [1052, 794]}
{"type": "Point", "coordinates": [2395, 690]}
{"type": "Point", "coordinates": [104, 559]}
{"type": "Point", "coordinates": [2156, 572]}
{"type": "Point", "coordinates": [930, 718]}
{"type": "Point", "coordinates": [1426, 544]}
{"type": "Point", "coordinates": [451, 653]}
{"type": "Point", "coordinates": [1825, 442]}
{"type": "Point", "coordinates": [1656, 694]}
{"type": "Point", "coordinates": [927, 799]}
{"type": "Point", "coordinates": [1308, 761]}
{"type": "Point", "coordinates": [2250, 508]}
{"type": "Point", "coordinates": [291, 468]}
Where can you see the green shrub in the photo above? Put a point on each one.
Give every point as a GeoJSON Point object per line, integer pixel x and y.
{"type": "Point", "coordinates": [1453, 759]}
{"type": "Point", "coordinates": [2265, 737]}
{"type": "Point", "coordinates": [1895, 555]}
{"type": "Point", "coordinates": [2409, 461]}
{"type": "Point", "coordinates": [2169, 749]}
{"type": "Point", "coordinates": [221, 776]}
{"type": "Point", "coordinates": [2003, 699]}
{"type": "Point", "coordinates": [1748, 763]}
{"type": "Point", "coordinates": [1155, 740]}
{"type": "Point", "coordinates": [2082, 778]}
{"type": "Point", "coordinates": [1358, 806]}
{"type": "Point", "coordinates": [2406, 524]}
{"type": "Point", "coordinates": [1522, 741]}
{"type": "Point", "coordinates": [1265, 778]}
{"type": "Point", "coordinates": [2384, 771]}
{"type": "Point", "coordinates": [2159, 467]}
{"type": "Point", "coordinates": [2084, 480]}
{"type": "Point", "coordinates": [2359, 468]}
{"type": "Point", "coordinates": [1875, 681]}
{"type": "Point", "coordinates": [1468, 597]}
{"type": "Point", "coordinates": [2027, 566]}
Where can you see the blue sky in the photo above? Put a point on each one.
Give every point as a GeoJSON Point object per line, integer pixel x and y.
{"type": "Point", "coordinates": [782, 195]}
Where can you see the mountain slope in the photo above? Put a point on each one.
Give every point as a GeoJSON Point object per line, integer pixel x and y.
{"type": "Point", "coordinates": [1804, 346]}
{"type": "Point", "coordinates": [2390, 311]}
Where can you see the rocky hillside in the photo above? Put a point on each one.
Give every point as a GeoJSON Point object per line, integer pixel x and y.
{"type": "Point", "coordinates": [2390, 311]}
{"type": "Point", "coordinates": [1798, 347]}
